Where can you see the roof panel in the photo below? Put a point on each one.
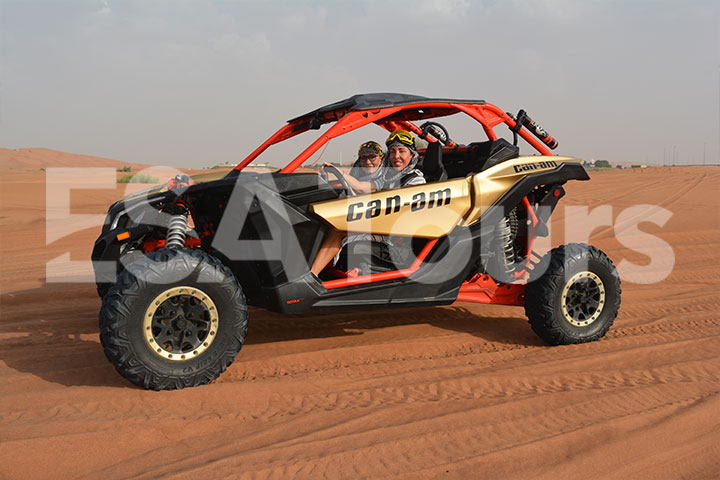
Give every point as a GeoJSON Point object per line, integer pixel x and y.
{"type": "Point", "coordinates": [369, 101]}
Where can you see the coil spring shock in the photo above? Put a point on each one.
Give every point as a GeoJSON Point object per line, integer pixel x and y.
{"type": "Point", "coordinates": [176, 232]}
{"type": "Point", "coordinates": [507, 230]}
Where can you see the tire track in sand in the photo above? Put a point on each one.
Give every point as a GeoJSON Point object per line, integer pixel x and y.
{"type": "Point", "coordinates": [618, 228]}
{"type": "Point", "coordinates": [469, 386]}
{"type": "Point", "coordinates": [447, 439]}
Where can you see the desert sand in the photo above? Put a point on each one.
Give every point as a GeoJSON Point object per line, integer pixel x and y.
{"type": "Point", "coordinates": [463, 391]}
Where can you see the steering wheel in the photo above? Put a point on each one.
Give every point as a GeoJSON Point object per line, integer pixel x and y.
{"type": "Point", "coordinates": [337, 174]}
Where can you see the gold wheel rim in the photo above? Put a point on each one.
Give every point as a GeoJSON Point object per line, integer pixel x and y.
{"type": "Point", "coordinates": [597, 305]}
{"type": "Point", "coordinates": [191, 351]}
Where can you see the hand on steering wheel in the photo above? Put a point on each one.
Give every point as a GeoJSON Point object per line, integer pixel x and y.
{"type": "Point", "coordinates": [330, 168]}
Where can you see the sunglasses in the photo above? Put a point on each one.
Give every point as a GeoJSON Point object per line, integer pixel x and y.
{"type": "Point", "coordinates": [368, 157]}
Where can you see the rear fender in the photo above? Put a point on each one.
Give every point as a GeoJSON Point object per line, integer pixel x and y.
{"type": "Point", "coordinates": [501, 188]}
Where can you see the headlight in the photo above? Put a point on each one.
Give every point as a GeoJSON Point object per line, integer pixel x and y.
{"type": "Point", "coordinates": [140, 211]}
{"type": "Point", "coordinates": [134, 215]}
{"type": "Point", "coordinates": [116, 220]}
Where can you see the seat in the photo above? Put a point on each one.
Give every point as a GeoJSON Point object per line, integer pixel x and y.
{"type": "Point", "coordinates": [432, 164]}
{"type": "Point", "coordinates": [496, 152]}
{"type": "Point", "coordinates": [479, 156]}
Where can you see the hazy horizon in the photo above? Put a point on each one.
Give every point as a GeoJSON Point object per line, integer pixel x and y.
{"type": "Point", "coordinates": [193, 84]}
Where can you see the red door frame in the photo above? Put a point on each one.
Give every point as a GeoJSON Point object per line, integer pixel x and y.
{"type": "Point", "coordinates": [379, 277]}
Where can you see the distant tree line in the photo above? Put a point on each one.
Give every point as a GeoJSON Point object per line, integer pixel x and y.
{"type": "Point", "coordinates": [602, 164]}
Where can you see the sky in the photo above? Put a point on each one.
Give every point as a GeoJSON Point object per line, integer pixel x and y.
{"type": "Point", "coordinates": [194, 84]}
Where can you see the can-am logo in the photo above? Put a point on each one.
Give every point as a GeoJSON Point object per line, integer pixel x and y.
{"type": "Point", "coordinates": [390, 205]}
{"type": "Point", "coordinates": [535, 166]}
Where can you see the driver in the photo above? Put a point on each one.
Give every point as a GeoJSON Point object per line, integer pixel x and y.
{"type": "Point", "coordinates": [365, 176]}
{"type": "Point", "coordinates": [397, 169]}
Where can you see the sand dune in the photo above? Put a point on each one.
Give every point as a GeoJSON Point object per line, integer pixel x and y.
{"type": "Point", "coordinates": [464, 391]}
{"type": "Point", "coordinates": [26, 159]}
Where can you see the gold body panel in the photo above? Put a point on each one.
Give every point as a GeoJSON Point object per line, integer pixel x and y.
{"type": "Point", "coordinates": [434, 209]}
{"type": "Point", "coordinates": [490, 185]}
{"type": "Point", "coordinates": [426, 211]}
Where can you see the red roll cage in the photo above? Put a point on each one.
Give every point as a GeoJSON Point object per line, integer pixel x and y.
{"type": "Point", "coordinates": [353, 113]}
{"type": "Point", "coordinates": [393, 111]}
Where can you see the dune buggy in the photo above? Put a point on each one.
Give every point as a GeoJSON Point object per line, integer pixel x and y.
{"type": "Point", "coordinates": [187, 257]}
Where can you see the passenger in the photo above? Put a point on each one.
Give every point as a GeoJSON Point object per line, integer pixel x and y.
{"type": "Point", "coordinates": [396, 170]}
{"type": "Point", "coordinates": [403, 158]}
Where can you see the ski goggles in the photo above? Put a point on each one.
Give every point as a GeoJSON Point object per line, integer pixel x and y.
{"type": "Point", "coordinates": [402, 136]}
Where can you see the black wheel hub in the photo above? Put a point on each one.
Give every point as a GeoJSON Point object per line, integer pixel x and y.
{"type": "Point", "coordinates": [181, 324]}
{"type": "Point", "coordinates": [583, 300]}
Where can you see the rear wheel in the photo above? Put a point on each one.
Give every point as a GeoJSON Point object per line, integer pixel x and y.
{"type": "Point", "coordinates": [176, 318]}
{"type": "Point", "coordinates": [577, 297]}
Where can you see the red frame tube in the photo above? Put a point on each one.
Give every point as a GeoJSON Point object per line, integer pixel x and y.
{"type": "Point", "coordinates": [347, 123]}
{"type": "Point", "coordinates": [483, 289]}
{"type": "Point", "coordinates": [531, 233]}
{"type": "Point", "coordinates": [288, 131]}
{"type": "Point", "coordinates": [487, 114]}
{"type": "Point", "coordinates": [379, 277]}
{"type": "Point", "coordinates": [525, 134]}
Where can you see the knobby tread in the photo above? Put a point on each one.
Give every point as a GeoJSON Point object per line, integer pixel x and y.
{"type": "Point", "coordinates": [121, 303]}
{"type": "Point", "coordinates": [544, 311]}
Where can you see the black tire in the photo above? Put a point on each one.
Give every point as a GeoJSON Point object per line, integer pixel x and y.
{"type": "Point", "coordinates": [195, 310]}
{"type": "Point", "coordinates": [126, 258]}
{"type": "Point", "coordinates": [576, 299]}
{"type": "Point", "coordinates": [102, 288]}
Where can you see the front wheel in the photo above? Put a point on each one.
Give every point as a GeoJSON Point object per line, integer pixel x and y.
{"type": "Point", "coordinates": [577, 297]}
{"type": "Point", "coordinates": [176, 318]}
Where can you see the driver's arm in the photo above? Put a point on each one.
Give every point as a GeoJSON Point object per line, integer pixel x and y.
{"type": "Point", "coordinates": [358, 186]}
